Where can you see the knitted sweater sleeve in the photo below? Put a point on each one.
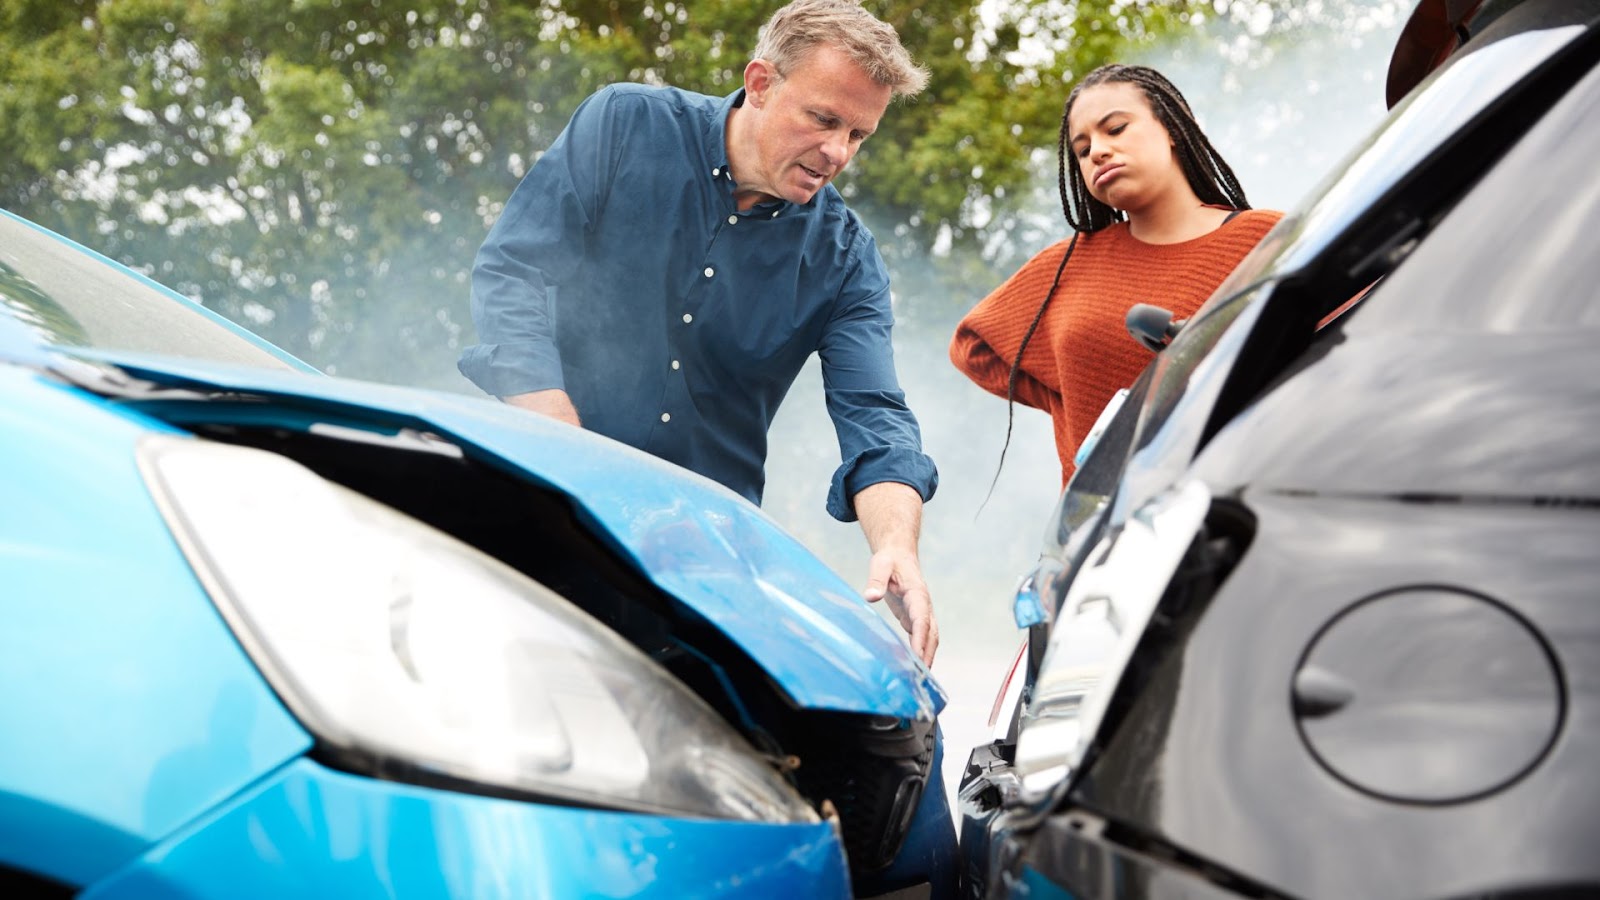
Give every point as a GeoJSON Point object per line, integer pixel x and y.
{"type": "Point", "coordinates": [988, 337]}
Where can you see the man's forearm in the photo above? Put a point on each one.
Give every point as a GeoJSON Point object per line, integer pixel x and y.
{"type": "Point", "coordinates": [890, 515]}
{"type": "Point", "coordinates": [553, 403]}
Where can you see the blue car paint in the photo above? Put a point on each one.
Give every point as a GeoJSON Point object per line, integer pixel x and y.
{"type": "Point", "coordinates": [311, 831]}
{"type": "Point", "coordinates": [1033, 886]}
{"type": "Point", "coordinates": [160, 763]}
{"type": "Point", "coordinates": [716, 553]}
{"type": "Point", "coordinates": [138, 708]}
{"type": "Point", "coordinates": [18, 344]}
{"type": "Point", "coordinates": [695, 539]}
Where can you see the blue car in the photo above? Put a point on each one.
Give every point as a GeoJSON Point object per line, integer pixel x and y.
{"type": "Point", "coordinates": [272, 633]}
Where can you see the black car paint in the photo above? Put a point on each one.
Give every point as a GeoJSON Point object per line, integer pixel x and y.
{"type": "Point", "coordinates": [1318, 270]}
{"type": "Point", "coordinates": [1478, 378]}
{"type": "Point", "coordinates": [1444, 433]}
{"type": "Point", "coordinates": [1209, 757]}
{"type": "Point", "coordinates": [1440, 436]}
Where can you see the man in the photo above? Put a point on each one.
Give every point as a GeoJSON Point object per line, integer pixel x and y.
{"type": "Point", "coordinates": [669, 264]}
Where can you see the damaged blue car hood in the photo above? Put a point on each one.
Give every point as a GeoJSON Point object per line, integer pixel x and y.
{"type": "Point", "coordinates": [696, 540]}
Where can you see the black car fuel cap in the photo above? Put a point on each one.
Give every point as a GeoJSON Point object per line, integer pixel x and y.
{"type": "Point", "coordinates": [1428, 695]}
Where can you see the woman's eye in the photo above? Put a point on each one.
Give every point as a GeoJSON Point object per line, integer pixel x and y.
{"type": "Point", "coordinates": [1118, 129]}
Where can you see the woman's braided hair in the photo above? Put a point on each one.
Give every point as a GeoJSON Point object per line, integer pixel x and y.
{"type": "Point", "coordinates": [1208, 173]}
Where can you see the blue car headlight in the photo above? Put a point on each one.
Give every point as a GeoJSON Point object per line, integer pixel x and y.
{"type": "Point", "coordinates": [392, 641]}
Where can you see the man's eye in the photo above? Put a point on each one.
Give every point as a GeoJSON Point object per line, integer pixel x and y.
{"type": "Point", "coordinates": [857, 137]}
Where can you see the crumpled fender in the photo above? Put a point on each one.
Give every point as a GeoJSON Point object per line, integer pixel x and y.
{"type": "Point", "coordinates": [698, 541]}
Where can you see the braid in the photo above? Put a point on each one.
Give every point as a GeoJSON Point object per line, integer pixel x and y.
{"type": "Point", "coordinates": [1016, 364]}
{"type": "Point", "coordinates": [1061, 168]}
{"type": "Point", "coordinates": [1208, 174]}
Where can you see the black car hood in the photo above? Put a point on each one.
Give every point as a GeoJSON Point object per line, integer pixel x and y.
{"type": "Point", "coordinates": [1447, 417]}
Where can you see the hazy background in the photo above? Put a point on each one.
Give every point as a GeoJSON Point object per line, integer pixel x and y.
{"type": "Point", "coordinates": [1283, 102]}
{"type": "Point", "coordinates": [324, 171]}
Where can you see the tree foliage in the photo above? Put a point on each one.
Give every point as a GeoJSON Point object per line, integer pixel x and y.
{"type": "Point", "coordinates": [324, 170]}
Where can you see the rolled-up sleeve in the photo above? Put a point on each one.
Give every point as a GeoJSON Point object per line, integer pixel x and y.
{"type": "Point", "coordinates": [879, 439]}
{"type": "Point", "coordinates": [538, 242]}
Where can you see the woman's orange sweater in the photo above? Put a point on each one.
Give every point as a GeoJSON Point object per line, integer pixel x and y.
{"type": "Point", "coordinates": [1082, 353]}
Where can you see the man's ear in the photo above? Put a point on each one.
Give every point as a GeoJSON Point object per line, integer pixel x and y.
{"type": "Point", "coordinates": [760, 77]}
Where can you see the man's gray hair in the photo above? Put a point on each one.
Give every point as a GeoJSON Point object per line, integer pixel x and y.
{"type": "Point", "coordinates": [803, 25]}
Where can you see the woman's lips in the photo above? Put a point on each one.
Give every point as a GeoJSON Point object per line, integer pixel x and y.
{"type": "Point", "coordinates": [1105, 174]}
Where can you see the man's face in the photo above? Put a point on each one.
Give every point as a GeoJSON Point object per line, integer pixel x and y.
{"type": "Point", "coordinates": [806, 126]}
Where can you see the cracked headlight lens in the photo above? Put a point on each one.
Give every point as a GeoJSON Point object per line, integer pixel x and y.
{"type": "Point", "coordinates": [393, 642]}
{"type": "Point", "coordinates": [1102, 618]}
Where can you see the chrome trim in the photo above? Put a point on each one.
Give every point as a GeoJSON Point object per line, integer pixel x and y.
{"type": "Point", "coordinates": [1102, 618]}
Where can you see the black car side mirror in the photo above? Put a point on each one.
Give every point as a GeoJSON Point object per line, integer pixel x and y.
{"type": "Point", "coordinates": [1153, 326]}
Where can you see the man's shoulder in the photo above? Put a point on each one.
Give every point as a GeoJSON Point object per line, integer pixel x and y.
{"type": "Point", "coordinates": [648, 114]}
{"type": "Point", "coordinates": [836, 215]}
{"type": "Point", "coordinates": [660, 98]}
{"type": "Point", "coordinates": [850, 243]}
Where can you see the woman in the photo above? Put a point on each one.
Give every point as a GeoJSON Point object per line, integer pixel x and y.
{"type": "Point", "coordinates": [1159, 218]}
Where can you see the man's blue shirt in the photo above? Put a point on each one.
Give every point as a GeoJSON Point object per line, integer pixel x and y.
{"type": "Point", "coordinates": [622, 271]}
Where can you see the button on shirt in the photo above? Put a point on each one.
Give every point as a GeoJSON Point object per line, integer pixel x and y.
{"type": "Point", "coordinates": [623, 272]}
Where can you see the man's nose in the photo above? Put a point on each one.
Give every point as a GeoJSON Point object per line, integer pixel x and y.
{"type": "Point", "coordinates": [837, 149]}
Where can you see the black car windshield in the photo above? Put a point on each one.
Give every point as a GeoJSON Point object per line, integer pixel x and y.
{"type": "Point", "coordinates": [1518, 255]}
{"type": "Point", "coordinates": [1429, 115]}
{"type": "Point", "coordinates": [67, 296]}
{"type": "Point", "coordinates": [1427, 119]}
{"type": "Point", "coordinates": [1419, 125]}
{"type": "Point", "coordinates": [1469, 374]}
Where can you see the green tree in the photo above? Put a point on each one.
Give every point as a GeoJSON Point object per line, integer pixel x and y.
{"type": "Point", "coordinates": [324, 170]}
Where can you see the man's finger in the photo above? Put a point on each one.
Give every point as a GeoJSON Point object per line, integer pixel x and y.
{"type": "Point", "coordinates": [919, 638]}
{"type": "Point", "coordinates": [923, 627]}
{"type": "Point", "coordinates": [879, 570]}
{"type": "Point", "coordinates": [902, 613]}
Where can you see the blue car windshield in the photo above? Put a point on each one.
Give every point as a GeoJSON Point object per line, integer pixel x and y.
{"type": "Point", "coordinates": [67, 296]}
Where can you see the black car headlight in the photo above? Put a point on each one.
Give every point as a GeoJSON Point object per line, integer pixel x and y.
{"type": "Point", "coordinates": [392, 641]}
{"type": "Point", "coordinates": [1103, 615]}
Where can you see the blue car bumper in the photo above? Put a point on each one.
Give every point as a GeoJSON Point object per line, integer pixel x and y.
{"type": "Point", "coordinates": [310, 831]}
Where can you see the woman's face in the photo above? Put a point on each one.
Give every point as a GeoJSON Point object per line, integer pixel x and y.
{"type": "Point", "coordinates": [1124, 152]}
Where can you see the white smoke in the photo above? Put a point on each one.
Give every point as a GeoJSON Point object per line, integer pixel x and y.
{"type": "Point", "coordinates": [1284, 95]}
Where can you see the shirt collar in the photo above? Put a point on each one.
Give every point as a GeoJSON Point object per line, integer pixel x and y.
{"type": "Point", "coordinates": [717, 141]}
{"type": "Point", "coordinates": [717, 130]}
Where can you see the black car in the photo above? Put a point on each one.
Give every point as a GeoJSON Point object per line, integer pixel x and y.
{"type": "Point", "coordinates": [1321, 617]}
